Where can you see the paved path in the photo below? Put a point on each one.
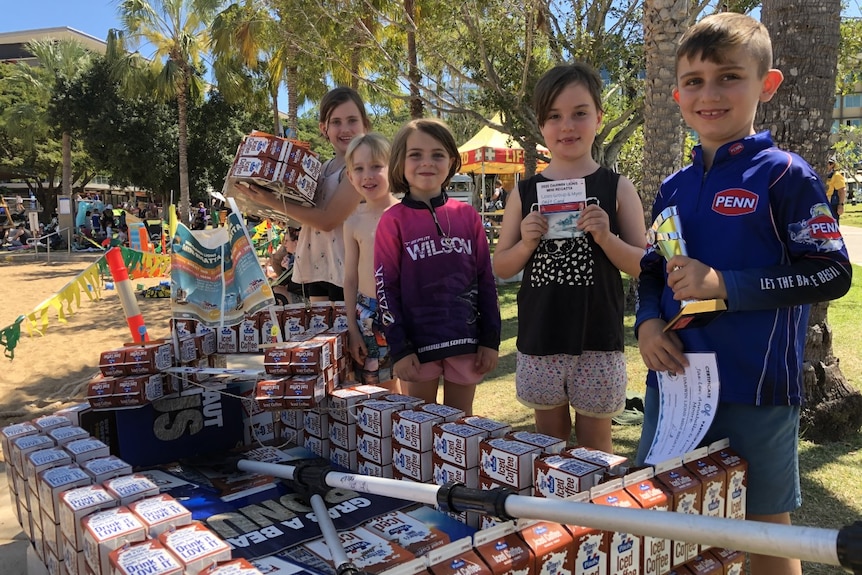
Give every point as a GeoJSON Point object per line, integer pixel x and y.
{"type": "Point", "coordinates": [853, 239]}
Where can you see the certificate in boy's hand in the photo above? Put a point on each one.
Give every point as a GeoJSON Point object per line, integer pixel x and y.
{"type": "Point", "coordinates": [561, 202]}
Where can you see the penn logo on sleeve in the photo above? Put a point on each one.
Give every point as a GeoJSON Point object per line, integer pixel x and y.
{"type": "Point", "coordinates": [734, 202]}
{"type": "Point", "coordinates": [819, 230]}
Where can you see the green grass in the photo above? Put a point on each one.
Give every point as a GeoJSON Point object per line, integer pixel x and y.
{"type": "Point", "coordinates": [832, 492]}
{"type": "Point", "coordinates": [852, 215]}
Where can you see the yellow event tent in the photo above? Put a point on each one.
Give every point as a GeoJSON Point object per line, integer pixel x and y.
{"type": "Point", "coordinates": [493, 152]}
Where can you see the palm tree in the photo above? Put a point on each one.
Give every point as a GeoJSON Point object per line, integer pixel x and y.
{"type": "Point", "coordinates": [800, 117]}
{"type": "Point", "coordinates": [62, 62]}
{"type": "Point", "coordinates": [177, 32]}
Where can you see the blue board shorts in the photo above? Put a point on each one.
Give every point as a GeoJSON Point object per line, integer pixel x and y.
{"type": "Point", "coordinates": [766, 436]}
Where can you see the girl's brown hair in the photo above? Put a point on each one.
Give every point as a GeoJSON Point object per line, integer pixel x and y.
{"type": "Point", "coordinates": [438, 130]}
{"type": "Point", "coordinates": [338, 96]}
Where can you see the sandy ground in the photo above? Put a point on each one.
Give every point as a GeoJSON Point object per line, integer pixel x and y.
{"type": "Point", "coordinates": [51, 370]}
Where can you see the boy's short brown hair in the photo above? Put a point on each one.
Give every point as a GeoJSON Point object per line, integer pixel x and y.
{"type": "Point", "coordinates": [557, 79]}
{"type": "Point", "coordinates": [716, 35]}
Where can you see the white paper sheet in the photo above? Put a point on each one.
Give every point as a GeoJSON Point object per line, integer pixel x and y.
{"type": "Point", "coordinates": [687, 406]}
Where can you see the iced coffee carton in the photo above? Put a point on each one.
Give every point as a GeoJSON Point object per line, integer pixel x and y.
{"type": "Point", "coordinates": [107, 530]}
{"type": "Point", "coordinates": [237, 566]}
{"type": "Point", "coordinates": [457, 558]}
{"type": "Point", "coordinates": [16, 430]}
{"type": "Point", "coordinates": [319, 317]}
{"type": "Point", "coordinates": [713, 480]}
{"type": "Point", "coordinates": [342, 403]}
{"type": "Point", "coordinates": [310, 357]}
{"type": "Point", "coordinates": [610, 462]}
{"type": "Point", "coordinates": [372, 468]}
{"type": "Point", "coordinates": [43, 459]}
{"type": "Point", "coordinates": [148, 557]}
{"type": "Point", "coordinates": [20, 447]}
{"type": "Point", "coordinates": [685, 496]}
{"type": "Point", "coordinates": [561, 476]}
{"type": "Point", "coordinates": [130, 488]}
{"type": "Point", "coordinates": [150, 357]}
{"type": "Point", "coordinates": [63, 435]}
{"type": "Point", "coordinates": [195, 546]}
{"type": "Point", "coordinates": [53, 481]}
{"type": "Point", "coordinates": [317, 445]}
{"type": "Point", "coordinates": [493, 427]}
{"type": "Point", "coordinates": [342, 435]}
{"type": "Point", "coordinates": [624, 549]}
{"type": "Point", "coordinates": [408, 532]}
{"type": "Point", "coordinates": [276, 360]}
{"type": "Point", "coordinates": [412, 464]}
{"type": "Point", "coordinates": [551, 545]}
{"type": "Point", "coordinates": [590, 545]}
{"type": "Point", "coordinates": [737, 477]}
{"type": "Point", "coordinates": [112, 362]}
{"type": "Point", "coordinates": [368, 551]}
{"type": "Point", "coordinates": [248, 335]}
{"type": "Point", "coordinates": [316, 422]}
{"type": "Point", "coordinates": [447, 413]}
{"type": "Point", "coordinates": [443, 472]}
{"type": "Point", "coordinates": [508, 462]}
{"type": "Point", "coordinates": [304, 391]}
{"type": "Point", "coordinates": [374, 448]}
{"type": "Point", "coordinates": [457, 443]}
{"type": "Point", "coordinates": [345, 458]}
{"type": "Point", "coordinates": [227, 339]}
{"type": "Point", "coordinates": [545, 443]}
{"type": "Point", "coordinates": [295, 320]}
{"type": "Point", "coordinates": [160, 513]}
{"type": "Point", "coordinates": [655, 556]}
{"type": "Point", "coordinates": [732, 562]}
{"type": "Point", "coordinates": [412, 429]}
{"type": "Point", "coordinates": [705, 564]}
{"type": "Point", "coordinates": [75, 504]}
{"type": "Point", "coordinates": [503, 551]}
{"type": "Point", "coordinates": [374, 416]}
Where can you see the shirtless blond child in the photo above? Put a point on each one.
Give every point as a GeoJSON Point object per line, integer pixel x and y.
{"type": "Point", "coordinates": [367, 161]}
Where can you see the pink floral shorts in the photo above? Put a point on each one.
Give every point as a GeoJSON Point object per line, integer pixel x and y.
{"type": "Point", "coordinates": [594, 383]}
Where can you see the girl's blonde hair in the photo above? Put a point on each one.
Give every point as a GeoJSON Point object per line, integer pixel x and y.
{"type": "Point", "coordinates": [377, 143]}
{"type": "Point", "coordinates": [438, 130]}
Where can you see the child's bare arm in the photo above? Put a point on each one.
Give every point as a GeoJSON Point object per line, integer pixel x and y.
{"type": "Point", "coordinates": [519, 238]}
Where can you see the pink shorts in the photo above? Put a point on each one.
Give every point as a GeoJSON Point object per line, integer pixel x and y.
{"type": "Point", "coordinates": [593, 383]}
{"type": "Point", "coordinates": [460, 369]}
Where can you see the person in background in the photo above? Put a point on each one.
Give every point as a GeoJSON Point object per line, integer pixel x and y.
{"type": "Point", "coordinates": [367, 160]}
{"type": "Point", "coordinates": [435, 289]}
{"type": "Point", "coordinates": [571, 302]}
{"type": "Point", "coordinates": [836, 188]}
{"type": "Point", "coordinates": [759, 235]}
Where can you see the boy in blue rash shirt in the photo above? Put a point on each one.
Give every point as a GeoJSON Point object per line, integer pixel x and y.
{"type": "Point", "coordinates": [760, 235]}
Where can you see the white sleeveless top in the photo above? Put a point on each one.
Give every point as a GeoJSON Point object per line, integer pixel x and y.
{"type": "Point", "coordinates": [319, 254]}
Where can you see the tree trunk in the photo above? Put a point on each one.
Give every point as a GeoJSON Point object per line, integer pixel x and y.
{"type": "Point", "coordinates": [800, 118]}
{"type": "Point", "coordinates": [664, 23]}
{"type": "Point", "coordinates": [182, 117]}
{"type": "Point", "coordinates": [416, 108]}
{"type": "Point", "coordinates": [67, 164]}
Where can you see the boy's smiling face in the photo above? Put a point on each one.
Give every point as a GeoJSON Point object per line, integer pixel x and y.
{"type": "Point", "coordinates": [719, 100]}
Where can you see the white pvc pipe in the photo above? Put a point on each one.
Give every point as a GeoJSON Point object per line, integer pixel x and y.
{"type": "Point", "coordinates": [806, 543]}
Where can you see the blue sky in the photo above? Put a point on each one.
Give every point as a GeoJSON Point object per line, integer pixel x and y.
{"type": "Point", "coordinates": [93, 17]}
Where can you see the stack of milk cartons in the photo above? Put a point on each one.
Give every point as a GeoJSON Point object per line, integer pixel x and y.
{"type": "Point", "coordinates": [343, 403]}
{"type": "Point", "coordinates": [374, 432]}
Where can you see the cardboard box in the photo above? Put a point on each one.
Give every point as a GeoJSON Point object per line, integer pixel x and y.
{"type": "Point", "coordinates": [374, 448]}
{"type": "Point", "coordinates": [151, 357]}
{"type": "Point", "coordinates": [112, 362]}
{"type": "Point", "coordinates": [609, 461]}
{"type": "Point", "coordinates": [276, 360]}
{"type": "Point", "coordinates": [317, 445]}
{"type": "Point", "coordinates": [304, 391]}
{"type": "Point", "coordinates": [232, 567]}
{"type": "Point", "coordinates": [342, 435]}
{"type": "Point", "coordinates": [316, 422]}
